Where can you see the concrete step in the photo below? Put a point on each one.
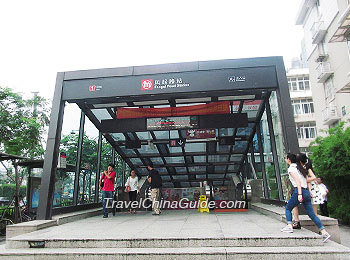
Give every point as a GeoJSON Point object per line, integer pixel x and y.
{"type": "Point", "coordinates": [284, 240]}
{"type": "Point", "coordinates": [330, 251]}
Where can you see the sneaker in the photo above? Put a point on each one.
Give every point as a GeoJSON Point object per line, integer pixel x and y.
{"type": "Point", "coordinates": [296, 225]}
{"type": "Point", "coordinates": [287, 229]}
{"type": "Point", "coordinates": [105, 216]}
{"type": "Point", "coordinates": [326, 237]}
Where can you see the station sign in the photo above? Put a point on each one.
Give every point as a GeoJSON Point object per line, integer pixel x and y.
{"type": "Point", "coordinates": [177, 142]}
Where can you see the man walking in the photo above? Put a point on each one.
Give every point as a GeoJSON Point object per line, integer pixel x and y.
{"type": "Point", "coordinates": [156, 183]}
{"type": "Point", "coordinates": [323, 206]}
{"type": "Point", "coordinates": [107, 187]}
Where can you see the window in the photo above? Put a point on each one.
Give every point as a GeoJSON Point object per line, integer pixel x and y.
{"type": "Point", "coordinates": [303, 106]}
{"type": "Point", "coordinates": [306, 130]}
{"type": "Point", "coordinates": [329, 90]}
{"type": "Point", "coordinates": [298, 84]}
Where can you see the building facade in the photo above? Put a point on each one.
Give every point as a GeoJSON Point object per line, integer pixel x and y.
{"type": "Point", "coordinates": [303, 106]}
{"type": "Point", "coordinates": [328, 61]}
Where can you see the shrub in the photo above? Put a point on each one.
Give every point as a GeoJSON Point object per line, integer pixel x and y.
{"type": "Point", "coordinates": [331, 160]}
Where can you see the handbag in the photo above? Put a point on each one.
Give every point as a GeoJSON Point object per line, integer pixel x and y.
{"type": "Point", "coordinates": [127, 187]}
{"type": "Point", "coordinates": [102, 181]}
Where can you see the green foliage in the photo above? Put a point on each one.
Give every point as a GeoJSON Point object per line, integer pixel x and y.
{"type": "Point", "coordinates": [22, 124]}
{"type": "Point", "coordinates": [8, 190]}
{"type": "Point", "coordinates": [331, 160]}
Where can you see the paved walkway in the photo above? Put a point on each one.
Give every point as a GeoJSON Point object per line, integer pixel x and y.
{"type": "Point", "coordinates": [170, 224]}
{"type": "Point", "coordinates": [345, 235]}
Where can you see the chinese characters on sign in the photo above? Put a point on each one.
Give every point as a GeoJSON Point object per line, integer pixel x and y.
{"type": "Point", "coordinates": [148, 84]}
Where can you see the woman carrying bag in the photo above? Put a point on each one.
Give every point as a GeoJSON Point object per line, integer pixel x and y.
{"type": "Point", "coordinates": [132, 186]}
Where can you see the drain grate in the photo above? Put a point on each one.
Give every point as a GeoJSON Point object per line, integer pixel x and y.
{"type": "Point", "coordinates": [36, 244]}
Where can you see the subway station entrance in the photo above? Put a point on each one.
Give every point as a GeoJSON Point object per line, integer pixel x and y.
{"type": "Point", "coordinates": [212, 123]}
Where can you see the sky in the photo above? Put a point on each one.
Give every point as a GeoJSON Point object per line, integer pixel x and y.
{"type": "Point", "coordinates": [40, 38]}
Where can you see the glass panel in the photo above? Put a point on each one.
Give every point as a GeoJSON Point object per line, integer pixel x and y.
{"type": "Point", "coordinates": [101, 114]}
{"type": "Point", "coordinates": [218, 158]}
{"type": "Point", "coordinates": [144, 135]}
{"type": "Point", "coordinates": [195, 147]}
{"type": "Point", "coordinates": [203, 176]}
{"type": "Point", "coordinates": [220, 168]}
{"type": "Point", "coordinates": [118, 136]}
{"type": "Point", "coordinates": [235, 158]}
{"type": "Point", "coordinates": [142, 170]}
{"type": "Point", "coordinates": [174, 159]}
{"type": "Point", "coordinates": [244, 131]}
{"type": "Point", "coordinates": [175, 149]}
{"type": "Point", "coordinates": [216, 176]}
{"type": "Point", "coordinates": [162, 170]}
{"type": "Point", "coordinates": [174, 134]}
{"type": "Point", "coordinates": [136, 161]}
{"type": "Point", "coordinates": [240, 146]}
{"type": "Point", "coordinates": [156, 160]}
{"type": "Point", "coordinates": [225, 131]}
{"type": "Point", "coordinates": [166, 178]}
{"type": "Point", "coordinates": [64, 186]}
{"type": "Point", "coordinates": [276, 121]}
{"type": "Point", "coordinates": [127, 151]}
{"type": "Point", "coordinates": [199, 159]}
{"type": "Point", "coordinates": [106, 154]}
{"type": "Point", "coordinates": [88, 162]}
{"type": "Point", "coordinates": [162, 134]}
{"type": "Point", "coordinates": [223, 148]}
{"type": "Point", "coordinates": [181, 169]}
{"type": "Point", "coordinates": [197, 169]}
{"type": "Point", "coordinates": [180, 177]}
{"type": "Point", "coordinates": [233, 168]}
{"type": "Point", "coordinates": [147, 149]}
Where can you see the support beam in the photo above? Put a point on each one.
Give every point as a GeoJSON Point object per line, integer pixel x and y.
{"type": "Point", "coordinates": [51, 154]}
{"type": "Point", "coordinates": [79, 156]}
{"type": "Point", "coordinates": [98, 171]}
{"type": "Point", "coordinates": [262, 162]}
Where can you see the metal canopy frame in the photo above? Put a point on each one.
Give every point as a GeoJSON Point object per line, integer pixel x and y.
{"type": "Point", "coordinates": [238, 81]}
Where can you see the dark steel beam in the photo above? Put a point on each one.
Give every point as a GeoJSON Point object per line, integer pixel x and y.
{"type": "Point", "coordinates": [98, 171]}
{"type": "Point", "coordinates": [262, 162]}
{"type": "Point", "coordinates": [52, 152]}
{"type": "Point", "coordinates": [79, 156]}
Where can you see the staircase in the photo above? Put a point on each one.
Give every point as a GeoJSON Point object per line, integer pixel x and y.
{"type": "Point", "coordinates": [173, 235]}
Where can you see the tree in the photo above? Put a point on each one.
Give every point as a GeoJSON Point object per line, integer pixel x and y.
{"type": "Point", "coordinates": [331, 160]}
{"type": "Point", "coordinates": [22, 126]}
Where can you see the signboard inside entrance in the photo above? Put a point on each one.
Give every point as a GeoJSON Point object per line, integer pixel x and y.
{"type": "Point", "coordinates": [201, 134]}
{"type": "Point", "coordinates": [169, 123]}
{"type": "Point", "coordinates": [177, 142]}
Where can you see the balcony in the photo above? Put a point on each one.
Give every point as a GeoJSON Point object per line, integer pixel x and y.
{"type": "Point", "coordinates": [330, 115]}
{"type": "Point", "coordinates": [323, 71]}
{"type": "Point", "coordinates": [318, 32]}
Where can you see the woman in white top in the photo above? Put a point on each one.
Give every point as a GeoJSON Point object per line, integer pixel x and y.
{"type": "Point", "coordinates": [297, 176]}
{"type": "Point", "coordinates": [316, 196]}
{"type": "Point", "coordinates": [133, 184]}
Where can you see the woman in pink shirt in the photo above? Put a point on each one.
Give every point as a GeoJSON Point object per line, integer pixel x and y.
{"type": "Point", "coordinates": [108, 187]}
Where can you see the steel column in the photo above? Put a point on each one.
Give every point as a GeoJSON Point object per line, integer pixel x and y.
{"type": "Point", "coordinates": [79, 155]}
{"type": "Point", "coordinates": [98, 171]}
{"type": "Point", "coordinates": [262, 162]}
{"type": "Point", "coordinates": [51, 154]}
{"type": "Point", "coordinates": [274, 151]}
